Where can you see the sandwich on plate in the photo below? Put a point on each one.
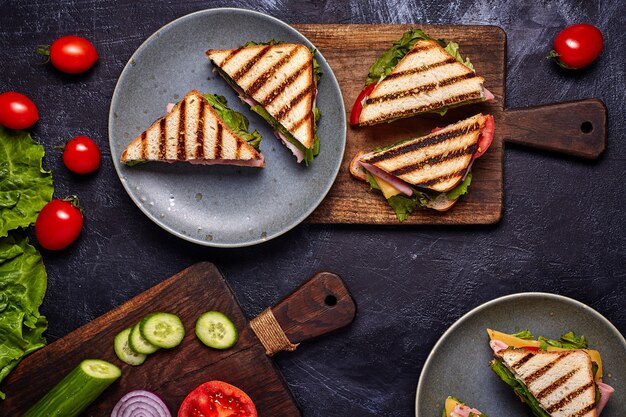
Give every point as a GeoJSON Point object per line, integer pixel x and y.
{"type": "Point", "coordinates": [455, 408]}
{"type": "Point", "coordinates": [199, 129]}
{"type": "Point", "coordinates": [430, 171]}
{"type": "Point", "coordinates": [556, 378]}
{"type": "Point", "coordinates": [279, 82]}
{"type": "Point", "coordinates": [417, 75]}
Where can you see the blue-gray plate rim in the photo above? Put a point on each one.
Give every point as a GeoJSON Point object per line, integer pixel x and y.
{"type": "Point", "coordinates": [220, 206]}
{"type": "Point", "coordinates": [458, 363]}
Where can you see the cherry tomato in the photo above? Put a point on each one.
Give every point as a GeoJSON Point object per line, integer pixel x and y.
{"type": "Point", "coordinates": [72, 54]}
{"type": "Point", "coordinates": [81, 155]}
{"type": "Point", "coordinates": [577, 46]}
{"type": "Point", "coordinates": [355, 115]}
{"type": "Point", "coordinates": [17, 111]}
{"type": "Point", "coordinates": [59, 223]}
{"type": "Point", "coordinates": [217, 399]}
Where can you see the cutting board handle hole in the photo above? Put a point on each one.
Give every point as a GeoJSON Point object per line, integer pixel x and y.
{"type": "Point", "coordinates": [586, 127]}
{"type": "Point", "coordinates": [330, 300]}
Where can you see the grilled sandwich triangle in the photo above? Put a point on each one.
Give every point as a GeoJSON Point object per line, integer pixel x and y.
{"type": "Point", "coordinates": [192, 132]}
{"type": "Point", "coordinates": [278, 77]}
{"type": "Point", "coordinates": [438, 161]}
{"type": "Point", "coordinates": [562, 381]}
{"type": "Point", "coordinates": [427, 79]}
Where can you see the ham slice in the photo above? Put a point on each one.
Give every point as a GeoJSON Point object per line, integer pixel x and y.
{"type": "Point", "coordinates": [488, 95]}
{"type": "Point", "coordinates": [462, 410]}
{"type": "Point", "coordinates": [293, 148]}
{"type": "Point", "coordinates": [497, 346]}
{"type": "Point", "coordinates": [606, 391]}
{"type": "Point", "coordinates": [237, 162]}
{"type": "Point", "coordinates": [394, 181]}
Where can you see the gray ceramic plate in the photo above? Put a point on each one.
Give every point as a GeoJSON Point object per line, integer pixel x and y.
{"type": "Point", "coordinates": [222, 206]}
{"type": "Point", "coordinates": [458, 364]}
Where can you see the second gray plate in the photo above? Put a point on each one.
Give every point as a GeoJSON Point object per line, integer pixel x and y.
{"type": "Point", "coordinates": [458, 365]}
{"type": "Point", "coordinates": [221, 206]}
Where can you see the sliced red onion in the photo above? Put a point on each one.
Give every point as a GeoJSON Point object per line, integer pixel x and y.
{"type": "Point", "coordinates": [140, 403]}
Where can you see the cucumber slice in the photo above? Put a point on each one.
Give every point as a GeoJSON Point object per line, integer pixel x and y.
{"type": "Point", "coordinates": [138, 343]}
{"type": "Point", "coordinates": [79, 388]}
{"type": "Point", "coordinates": [216, 330]}
{"type": "Point", "coordinates": [123, 350]}
{"type": "Point", "coordinates": [164, 330]}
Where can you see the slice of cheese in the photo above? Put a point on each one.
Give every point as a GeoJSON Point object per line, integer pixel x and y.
{"type": "Point", "coordinates": [516, 342]}
{"type": "Point", "coordinates": [450, 404]}
{"type": "Point", "coordinates": [387, 189]}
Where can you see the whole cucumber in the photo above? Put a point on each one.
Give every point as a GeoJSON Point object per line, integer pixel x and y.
{"type": "Point", "coordinates": [77, 390]}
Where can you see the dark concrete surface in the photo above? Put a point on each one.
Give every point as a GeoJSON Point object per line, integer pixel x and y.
{"type": "Point", "coordinates": [563, 229]}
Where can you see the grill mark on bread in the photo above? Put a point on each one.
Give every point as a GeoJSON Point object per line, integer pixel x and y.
{"type": "Point", "coordinates": [570, 397]}
{"type": "Point", "coordinates": [248, 66]}
{"type": "Point", "coordinates": [522, 361]}
{"type": "Point", "coordinates": [180, 144]}
{"type": "Point", "coordinates": [144, 145]}
{"type": "Point", "coordinates": [541, 371]}
{"type": "Point", "coordinates": [435, 160]}
{"type": "Point", "coordinates": [584, 411]}
{"type": "Point", "coordinates": [283, 86]}
{"type": "Point", "coordinates": [556, 384]}
{"type": "Point", "coordinates": [423, 68]}
{"type": "Point", "coordinates": [474, 95]}
{"type": "Point", "coordinates": [421, 89]}
{"type": "Point", "coordinates": [442, 178]}
{"type": "Point", "coordinates": [428, 141]}
{"type": "Point", "coordinates": [162, 143]}
{"type": "Point", "coordinates": [218, 142]}
{"type": "Point", "coordinates": [200, 130]}
{"type": "Point", "coordinates": [262, 79]}
{"type": "Point", "coordinates": [294, 101]}
{"type": "Point", "coordinates": [238, 149]}
{"type": "Point", "coordinates": [302, 120]}
{"type": "Point", "coordinates": [231, 55]}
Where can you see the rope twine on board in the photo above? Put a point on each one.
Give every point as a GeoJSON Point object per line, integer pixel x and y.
{"type": "Point", "coordinates": [271, 335]}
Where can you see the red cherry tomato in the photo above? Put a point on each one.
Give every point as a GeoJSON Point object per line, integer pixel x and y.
{"type": "Point", "coordinates": [355, 115]}
{"type": "Point", "coordinates": [73, 54]}
{"type": "Point", "coordinates": [577, 46]}
{"type": "Point", "coordinates": [81, 155]}
{"type": "Point", "coordinates": [17, 111]}
{"type": "Point", "coordinates": [217, 399]}
{"type": "Point", "coordinates": [59, 223]}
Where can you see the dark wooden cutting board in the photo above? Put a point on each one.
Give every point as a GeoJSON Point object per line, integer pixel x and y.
{"type": "Point", "coordinates": [577, 128]}
{"type": "Point", "coordinates": [319, 306]}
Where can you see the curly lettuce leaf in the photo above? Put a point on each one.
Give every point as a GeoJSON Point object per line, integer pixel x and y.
{"type": "Point", "coordinates": [453, 49]}
{"type": "Point", "coordinates": [518, 386]}
{"type": "Point", "coordinates": [25, 187]}
{"type": "Point", "coordinates": [567, 341]}
{"type": "Point", "coordinates": [524, 334]}
{"type": "Point", "coordinates": [235, 120]}
{"type": "Point", "coordinates": [23, 282]}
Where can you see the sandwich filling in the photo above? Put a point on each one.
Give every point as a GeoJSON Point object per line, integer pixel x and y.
{"type": "Point", "coordinates": [432, 70]}
{"type": "Point", "coordinates": [292, 136]}
{"type": "Point", "coordinates": [455, 408]}
{"type": "Point", "coordinates": [432, 171]}
{"type": "Point", "coordinates": [556, 378]}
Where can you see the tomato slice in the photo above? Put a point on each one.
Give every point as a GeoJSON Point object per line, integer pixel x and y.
{"type": "Point", "coordinates": [486, 136]}
{"type": "Point", "coordinates": [355, 115]}
{"type": "Point", "coordinates": [531, 348]}
{"type": "Point", "coordinates": [217, 399]}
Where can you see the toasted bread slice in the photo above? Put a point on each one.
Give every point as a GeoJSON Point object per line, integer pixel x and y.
{"type": "Point", "coordinates": [562, 381]}
{"type": "Point", "coordinates": [278, 77]}
{"type": "Point", "coordinates": [428, 78]}
{"type": "Point", "coordinates": [195, 133]}
{"type": "Point", "coordinates": [437, 161]}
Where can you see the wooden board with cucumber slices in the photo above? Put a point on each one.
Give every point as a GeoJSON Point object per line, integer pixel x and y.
{"type": "Point", "coordinates": [322, 304]}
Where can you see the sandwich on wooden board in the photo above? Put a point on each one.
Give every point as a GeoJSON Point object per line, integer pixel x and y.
{"type": "Point", "coordinates": [199, 129]}
{"type": "Point", "coordinates": [556, 378]}
{"type": "Point", "coordinates": [456, 408]}
{"type": "Point", "coordinates": [417, 75]}
{"type": "Point", "coordinates": [279, 82]}
{"type": "Point", "coordinates": [430, 171]}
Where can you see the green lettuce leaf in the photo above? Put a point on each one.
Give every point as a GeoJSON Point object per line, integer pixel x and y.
{"type": "Point", "coordinates": [524, 334]}
{"type": "Point", "coordinates": [567, 341]}
{"type": "Point", "coordinates": [518, 386]}
{"type": "Point", "coordinates": [25, 187]}
{"type": "Point", "coordinates": [236, 121]}
{"type": "Point", "coordinates": [453, 49]}
{"type": "Point", "coordinates": [23, 282]}
{"type": "Point", "coordinates": [460, 189]}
